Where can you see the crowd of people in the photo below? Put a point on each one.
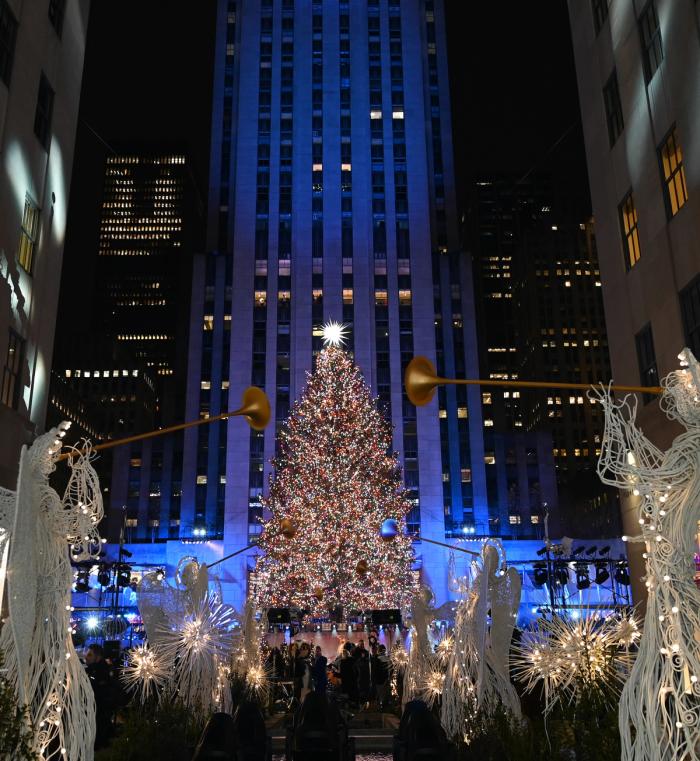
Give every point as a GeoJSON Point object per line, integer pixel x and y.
{"type": "Point", "coordinates": [361, 675]}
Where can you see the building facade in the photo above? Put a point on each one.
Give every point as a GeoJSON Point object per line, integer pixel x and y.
{"type": "Point", "coordinates": [638, 68]}
{"type": "Point", "coordinates": [42, 46]}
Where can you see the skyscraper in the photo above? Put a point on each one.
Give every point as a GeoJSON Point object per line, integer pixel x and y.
{"type": "Point", "coordinates": [639, 88]}
{"type": "Point", "coordinates": [42, 46]}
{"type": "Point", "coordinates": [331, 197]}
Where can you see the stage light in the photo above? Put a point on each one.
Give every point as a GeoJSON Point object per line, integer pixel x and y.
{"type": "Point", "coordinates": [103, 576]}
{"type": "Point", "coordinates": [82, 583]}
{"type": "Point", "coordinates": [561, 574]}
{"type": "Point", "coordinates": [124, 576]}
{"type": "Point", "coordinates": [622, 574]}
{"type": "Point", "coordinates": [92, 623]}
{"type": "Point", "coordinates": [539, 574]}
{"type": "Point", "coordinates": [604, 550]}
{"type": "Point", "coordinates": [583, 580]}
{"type": "Point", "coordinates": [591, 550]}
{"type": "Point", "coordinates": [601, 573]}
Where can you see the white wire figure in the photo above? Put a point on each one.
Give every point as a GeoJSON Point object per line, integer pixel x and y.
{"type": "Point", "coordinates": [660, 703]}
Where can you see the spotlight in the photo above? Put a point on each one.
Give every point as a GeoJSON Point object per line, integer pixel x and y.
{"type": "Point", "coordinates": [124, 576]}
{"type": "Point", "coordinates": [601, 573]}
{"type": "Point", "coordinates": [103, 576]}
{"type": "Point", "coordinates": [561, 574]}
{"type": "Point", "coordinates": [82, 583]}
{"type": "Point", "coordinates": [540, 574]}
{"type": "Point", "coordinates": [591, 550]}
{"type": "Point", "coordinates": [622, 574]}
{"type": "Point", "coordinates": [578, 551]}
{"type": "Point", "coordinates": [160, 574]}
{"type": "Point", "coordinates": [92, 623]}
{"type": "Point", "coordinates": [583, 580]}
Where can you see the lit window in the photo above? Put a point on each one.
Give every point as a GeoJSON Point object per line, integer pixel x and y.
{"type": "Point", "coordinates": [260, 298]}
{"type": "Point", "coordinates": [442, 414]}
{"type": "Point", "coordinates": [489, 459]}
{"type": "Point", "coordinates": [462, 412]}
{"type": "Point", "coordinates": [131, 522]}
{"type": "Point", "coordinates": [466, 474]}
{"type": "Point", "coordinates": [674, 174]}
{"type": "Point", "coordinates": [346, 167]}
{"type": "Point", "coordinates": [405, 298]}
{"type": "Point", "coordinates": [514, 520]}
{"type": "Point", "coordinates": [486, 397]}
{"type": "Point", "coordinates": [445, 477]}
{"type": "Point", "coordinates": [397, 115]}
{"type": "Point", "coordinates": [201, 479]}
{"type": "Point", "coordinates": [28, 234]}
{"type": "Point", "coordinates": [317, 167]}
{"type": "Point", "coordinates": [534, 519]}
{"type": "Point", "coordinates": [630, 230]}
{"type": "Point", "coordinates": [205, 385]}
{"type": "Point", "coordinates": [347, 295]}
{"type": "Point", "coordinates": [488, 423]}
{"type": "Point", "coordinates": [224, 385]}
{"type": "Point", "coordinates": [135, 462]}
{"type": "Point", "coordinates": [208, 322]}
{"type": "Point", "coordinates": [650, 33]}
{"type": "Point", "coordinates": [222, 479]}
{"type": "Point", "coordinates": [375, 114]}
{"type": "Point", "coordinates": [380, 298]}
{"type": "Point", "coordinates": [283, 295]}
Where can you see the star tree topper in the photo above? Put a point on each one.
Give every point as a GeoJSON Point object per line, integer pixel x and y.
{"type": "Point", "coordinates": [334, 333]}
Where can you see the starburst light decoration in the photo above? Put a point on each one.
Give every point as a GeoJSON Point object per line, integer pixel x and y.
{"type": "Point", "coordinates": [660, 703]}
{"type": "Point", "coordinates": [145, 673]}
{"type": "Point", "coordinates": [334, 333]}
{"type": "Point", "coordinates": [432, 687]}
{"type": "Point", "coordinates": [570, 658]}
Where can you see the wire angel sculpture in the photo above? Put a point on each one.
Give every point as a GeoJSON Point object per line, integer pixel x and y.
{"type": "Point", "coordinates": [477, 675]}
{"type": "Point", "coordinates": [660, 703]}
{"type": "Point", "coordinates": [46, 532]}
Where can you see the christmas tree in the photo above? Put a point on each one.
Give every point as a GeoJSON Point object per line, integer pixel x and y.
{"type": "Point", "coordinates": [336, 484]}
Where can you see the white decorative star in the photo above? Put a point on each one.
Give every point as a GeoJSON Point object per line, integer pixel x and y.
{"type": "Point", "coordinates": [334, 333]}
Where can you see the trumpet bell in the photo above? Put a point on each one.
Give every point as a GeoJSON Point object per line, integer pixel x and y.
{"type": "Point", "coordinates": [255, 409]}
{"type": "Point", "coordinates": [420, 381]}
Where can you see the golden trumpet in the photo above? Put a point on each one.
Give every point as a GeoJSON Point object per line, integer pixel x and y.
{"type": "Point", "coordinates": [421, 380]}
{"type": "Point", "coordinates": [255, 409]}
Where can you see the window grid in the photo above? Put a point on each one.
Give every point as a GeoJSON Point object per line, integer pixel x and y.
{"type": "Point", "coordinates": [44, 112]}
{"type": "Point", "coordinates": [28, 234]}
{"type": "Point", "coordinates": [57, 10]}
{"type": "Point", "coordinates": [9, 393]}
{"type": "Point", "coordinates": [613, 108]}
{"type": "Point", "coordinates": [671, 160]}
{"type": "Point", "coordinates": [690, 311]}
{"type": "Point", "coordinates": [8, 36]}
{"type": "Point", "coordinates": [630, 230]}
{"type": "Point", "coordinates": [646, 357]}
{"type": "Point", "coordinates": [650, 33]}
{"type": "Point", "coordinates": [600, 14]}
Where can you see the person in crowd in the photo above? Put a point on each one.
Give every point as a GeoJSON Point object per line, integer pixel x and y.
{"type": "Point", "coordinates": [363, 676]}
{"type": "Point", "coordinates": [319, 671]}
{"type": "Point", "coordinates": [302, 672]}
{"type": "Point", "coordinates": [380, 677]}
{"type": "Point", "coordinates": [102, 682]}
{"type": "Point", "coordinates": [348, 676]}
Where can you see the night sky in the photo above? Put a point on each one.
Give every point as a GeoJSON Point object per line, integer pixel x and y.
{"type": "Point", "coordinates": [147, 78]}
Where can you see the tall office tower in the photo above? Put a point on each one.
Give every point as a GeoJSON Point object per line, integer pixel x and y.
{"type": "Point", "coordinates": [331, 198]}
{"type": "Point", "coordinates": [42, 45]}
{"type": "Point", "coordinates": [542, 318]}
{"type": "Point", "coordinates": [638, 67]}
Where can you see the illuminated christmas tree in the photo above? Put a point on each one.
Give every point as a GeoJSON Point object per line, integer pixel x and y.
{"type": "Point", "coordinates": [336, 484]}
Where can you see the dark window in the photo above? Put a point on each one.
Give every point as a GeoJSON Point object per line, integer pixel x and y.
{"type": "Point", "coordinates": [630, 230]}
{"type": "Point", "coordinates": [8, 35]}
{"type": "Point", "coordinates": [57, 9]}
{"type": "Point", "coordinates": [600, 13]}
{"type": "Point", "coordinates": [613, 108]}
{"type": "Point", "coordinates": [44, 111]}
{"type": "Point", "coordinates": [671, 162]}
{"type": "Point", "coordinates": [646, 357]}
{"type": "Point", "coordinates": [9, 394]}
{"type": "Point", "coordinates": [650, 34]}
{"type": "Point", "coordinates": [690, 310]}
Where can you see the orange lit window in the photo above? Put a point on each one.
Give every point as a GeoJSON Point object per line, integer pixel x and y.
{"type": "Point", "coordinates": [630, 230]}
{"type": "Point", "coordinates": [674, 174]}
